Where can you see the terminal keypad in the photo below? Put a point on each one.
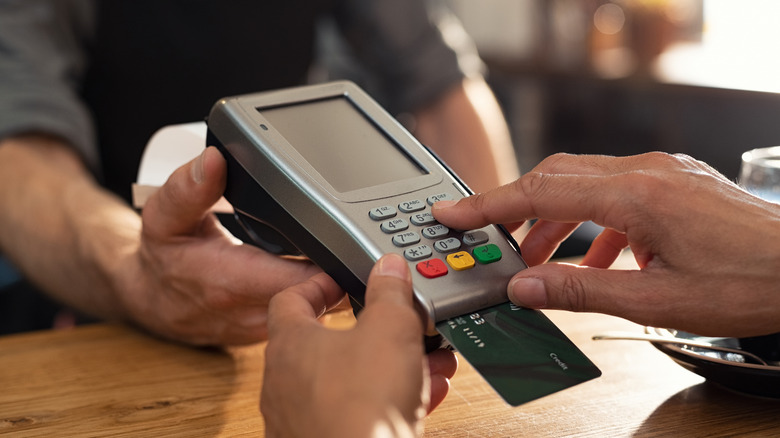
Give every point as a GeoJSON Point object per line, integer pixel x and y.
{"type": "Point", "coordinates": [461, 250]}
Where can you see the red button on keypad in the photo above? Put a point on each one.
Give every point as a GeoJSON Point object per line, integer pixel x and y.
{"type": "Point", "coordinates": [432, 268]}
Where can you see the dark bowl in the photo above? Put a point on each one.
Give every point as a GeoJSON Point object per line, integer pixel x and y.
{"type": "Point", "coordinates": [726, 369]}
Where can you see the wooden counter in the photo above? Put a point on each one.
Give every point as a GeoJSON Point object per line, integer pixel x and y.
{"type": "Point", "coordinates": [110, 380]}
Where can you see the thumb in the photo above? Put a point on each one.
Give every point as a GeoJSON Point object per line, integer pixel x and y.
{"type": "Point", "coordinates": [179, 206]}
{"type": "Point", "coordinates": [582, 289]}
{"type": "Point", "coordinates": [390, 302]}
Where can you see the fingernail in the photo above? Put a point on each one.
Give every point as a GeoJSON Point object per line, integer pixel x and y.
{"type": "Point", "coordinates": [528, 292]}
{"type": "Point", "coordinates": [393, 265]}
{"type": "Point", "coordinates": [444, 204]}
{"type": "Point", "coordinates": [197, 169]}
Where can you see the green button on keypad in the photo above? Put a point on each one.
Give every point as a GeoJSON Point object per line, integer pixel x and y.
{"type": "Point", "coordinates": [487, 254]}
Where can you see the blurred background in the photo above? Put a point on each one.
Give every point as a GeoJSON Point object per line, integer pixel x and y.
{"type": "Point", "coordinates": [618, 77]}
{"type": "Point", "coordinates": [629, 76]}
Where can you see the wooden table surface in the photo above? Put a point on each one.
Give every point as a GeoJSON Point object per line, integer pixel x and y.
{"type": "Point", "coordinates": [110, 380]}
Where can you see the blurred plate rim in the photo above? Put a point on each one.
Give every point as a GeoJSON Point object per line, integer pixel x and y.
{"type": "Point", "coordinates": [750, 379]}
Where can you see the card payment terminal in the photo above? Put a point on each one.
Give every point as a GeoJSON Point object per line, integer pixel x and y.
{"type": "Point", "coordinates": [324, 171]}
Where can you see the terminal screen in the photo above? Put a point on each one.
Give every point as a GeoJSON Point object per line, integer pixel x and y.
{"type": "Point", "coordinates": [342, 144]}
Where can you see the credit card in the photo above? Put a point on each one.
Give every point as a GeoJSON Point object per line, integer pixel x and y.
{"type": "Point", "coordinates": [518, 351]}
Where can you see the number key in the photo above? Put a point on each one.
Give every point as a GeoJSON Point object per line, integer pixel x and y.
{"type": "Point", "coordinates": [439, 197]}
{"type": "Point", "coordinates": [406, 239]}
{"type": "Point", "coordinates": [394, 225]}
{"type": "Point", "coordinates": [383, 212]}
{"type": "Point", "coordinates": [411, 206]}
{"type": "Point", "coordinates": [435, 231]}
{"type": "Point", "coordinates": [422, 219]}
{"type": "Point", "coordinates": [447, 245]}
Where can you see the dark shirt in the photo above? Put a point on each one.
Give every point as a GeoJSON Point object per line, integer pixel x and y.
{"type": "Point", "coordinates": [155, 63]}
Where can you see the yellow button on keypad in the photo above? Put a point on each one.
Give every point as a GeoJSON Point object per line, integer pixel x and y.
{"type": "Point", "coordinates": [460, 261]}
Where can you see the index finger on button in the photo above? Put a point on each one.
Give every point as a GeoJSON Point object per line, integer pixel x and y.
{"type": "Point", "coordinates": [553, 197]}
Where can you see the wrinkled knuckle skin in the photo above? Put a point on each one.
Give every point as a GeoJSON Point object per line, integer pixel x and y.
{"type": "Point", "coordinates": [573, 295]}
{"type": "Point", "coordinates": [477, 201]}
{"type": "Point", "coordinates": [531, 184]}
{"type": "Point", "coordinates": [534, 186]}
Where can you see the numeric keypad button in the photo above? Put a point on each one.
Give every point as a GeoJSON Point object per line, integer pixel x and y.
{"type": "Point", "coordinates": [435, 231]}
{"type": "Point", "coordinates": [406, 239]}
{"type": "Point", "coordinates": [394, 225]}
{"type": "Point", "coordinates": [447, 245]}
{"type": "Point", "coordinates": [382, 213]}
{"type": "Point", "coordinates": [439, 197]}
{"type": "Point", "coordinates": [411, 206]}
{"type": "Point", "coordinates": [421, 219]}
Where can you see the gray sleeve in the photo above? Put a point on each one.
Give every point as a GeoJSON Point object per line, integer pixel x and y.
{"type": "Point", "coordinates": [42, 59]}
{"type": "Point", "coordinates": [417, 48]}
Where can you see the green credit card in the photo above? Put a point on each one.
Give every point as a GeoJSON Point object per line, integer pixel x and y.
{"type": "Point", "coordinates": [520, 352]}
